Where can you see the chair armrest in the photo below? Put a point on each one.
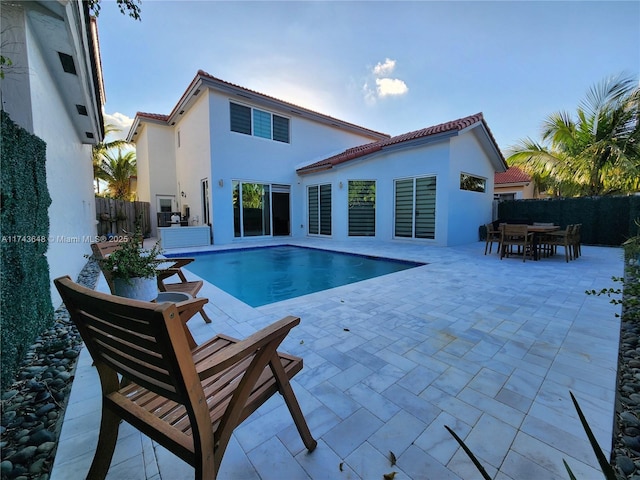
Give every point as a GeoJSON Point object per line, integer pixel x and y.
{"type": "Point", "coordinates": [189, 308]}
{"type": "Point", "coordinates": [178, 262]}
{"type": "Point", "coordinates": [235, 353]}
{"type": "Point", "coordinates": [170, 272]}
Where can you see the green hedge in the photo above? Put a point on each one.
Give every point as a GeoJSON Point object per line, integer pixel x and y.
{"type": "Point", "coordinates": [605, 220]}
{"type": "Point", "coordinates": [25, 298]}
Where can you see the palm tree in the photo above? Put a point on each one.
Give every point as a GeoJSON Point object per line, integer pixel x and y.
{"type": "Point", "coordinates": [595, 153]}
{"type": "Point", "coordinates": [117, 171]}
{"type": "Point", "coordinates": [100, 149]}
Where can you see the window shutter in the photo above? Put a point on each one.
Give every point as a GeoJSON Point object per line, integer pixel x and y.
{"type": "Point", "coordinates": [280, 129]}
{"type": "Point", "coordinates": [426, 207]}
{"type": "Point", "coordinates": [404, 208]}
{"type": "Point", "coordinates": [325, 209]}
{"type": "Point", "coordinates": [240, 118]}
{"type": "Point", "coordinates": [313, 210]}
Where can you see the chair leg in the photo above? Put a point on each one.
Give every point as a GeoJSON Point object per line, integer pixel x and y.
{"type": "Point", "coordinates": [292, 403]}
{"type": "Point", "coordinates": [205, 316]}
{"type": "Point", "coordinates": [106, 445]}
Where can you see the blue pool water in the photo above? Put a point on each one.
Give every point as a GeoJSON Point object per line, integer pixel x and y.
{"type": "Point", "coordinates": [259, 276]}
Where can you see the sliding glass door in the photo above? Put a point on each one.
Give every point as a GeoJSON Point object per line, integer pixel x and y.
{"type": "Point", "coordinates": [415, 208]}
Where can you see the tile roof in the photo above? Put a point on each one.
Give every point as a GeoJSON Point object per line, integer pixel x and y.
{"type": "Point", "coordinates": [512, 175]}
{"type": "Point", "coordinates": [362, 150]}
{"type": "Point", "coordinates": [153, 116]}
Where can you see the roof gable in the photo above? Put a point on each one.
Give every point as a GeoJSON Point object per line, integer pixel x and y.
{"type": "Point", "coordinates": [205, 80]}
{"type": "Point", "coordinates": [435, 132]}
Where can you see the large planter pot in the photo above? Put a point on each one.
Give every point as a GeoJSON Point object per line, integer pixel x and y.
{"type": "Point", "coordinates": [137, 288]}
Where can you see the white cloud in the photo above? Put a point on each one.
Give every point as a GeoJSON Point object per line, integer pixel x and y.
{"type": "Point", "coordinates": [121, 122]}
{"type": "Point", "coordinates": [383, 69]}
{"type": "Point", "coordinates": [390, 86]}
{"type": "Point", "coordinates": [384, 85]}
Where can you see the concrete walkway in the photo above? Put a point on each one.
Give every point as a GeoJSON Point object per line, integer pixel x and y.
{"type": "Point", "coordinates": [488, 347]}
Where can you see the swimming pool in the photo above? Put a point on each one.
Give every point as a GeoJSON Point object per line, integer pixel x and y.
{"type": "Point", "coordinates": [262, 275]}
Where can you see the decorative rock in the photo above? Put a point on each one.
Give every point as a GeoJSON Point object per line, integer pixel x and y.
{"type": "Point", "coordinates": [23, 455]}
{"type": "Point", "coordinates": [625, 464]}
{"type": "Point", "coordinates": [46, 447]}
{"type": "Point", "coordinates": [45, 409]}
{"type": "Point", "coordinates": [6, 467]}
{"type": "Point", "coordinates": [42, 436]}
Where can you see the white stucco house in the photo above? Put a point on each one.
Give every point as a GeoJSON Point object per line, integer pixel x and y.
{"type": "Point", "coordinates": [249, 165]}
{"type": "Point", "coordinates": [53, 89]}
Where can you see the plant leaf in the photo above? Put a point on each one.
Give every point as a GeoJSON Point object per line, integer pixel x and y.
{"type": "Point", "coordinates": [473, 458]}
{"type": "Point", "coordinates": [571, 475]}
{"type": "Point", "coordinates": [392, 458]}
{"type": "Point", "coordinates": [607, 469]}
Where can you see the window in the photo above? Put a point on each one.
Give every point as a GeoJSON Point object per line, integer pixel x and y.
{"type": "Point", "coordinates": [362, 208]}
{"type": "Point", "coordinates": [472, 183]}
{"type": "Point", "coordinates": [415, 208]}
{"type": "Point", "coordinates": [240, 119]}
{"type": "Point", "coordinates": [259, 123]}
{"type": "Point", "coordinates": [319, 203]}
{"type": "Point", "coordinates": [204, 197]}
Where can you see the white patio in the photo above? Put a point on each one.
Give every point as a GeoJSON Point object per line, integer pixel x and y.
{"type": "Point", "coordinates": [488, 347]}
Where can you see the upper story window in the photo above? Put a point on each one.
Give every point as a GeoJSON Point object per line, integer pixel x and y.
{"type": "Point", "coordinates": [258, 123]}
{"type": "Point", "coordinates": [472, 183]}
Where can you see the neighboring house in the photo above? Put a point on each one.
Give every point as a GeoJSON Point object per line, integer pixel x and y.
{"type": "Point", "coordinates": [514, 184]}
{"type": "Point", "coordinates": [54, 90]}
{"type": "Point", "coordinates": [254, 166]}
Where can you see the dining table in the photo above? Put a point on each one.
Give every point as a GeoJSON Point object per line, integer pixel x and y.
{"type": "Point", "coordinates": [537, 231]}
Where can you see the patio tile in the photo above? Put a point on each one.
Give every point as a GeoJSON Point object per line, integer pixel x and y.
{"type": "Point", "coordinates": [490, 349]}
{"type": "Point", "coordinates": [274, 461]}
{"type": "Point", "coordinates": [367, 462]}
{"type": "Point", "coordinates": [352, 432]}
{"type": "Point", "coordinates": [397, 433]}
{"type": "Point", "coordinates": [419, 465]}
{"type": "Point", "coordinates": [378, 404]}
{"type": "Point", "coordinates": [437, 441]}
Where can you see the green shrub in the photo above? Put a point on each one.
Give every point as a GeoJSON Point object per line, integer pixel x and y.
{"type": "Point", "coordinates": [25, 298]}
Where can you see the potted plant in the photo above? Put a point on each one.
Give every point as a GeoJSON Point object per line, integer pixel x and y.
{"type": "Point", "coordinates": [134, 269]}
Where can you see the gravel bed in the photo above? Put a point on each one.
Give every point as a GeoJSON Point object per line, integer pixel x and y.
{"type": "Point", "coordinates": [33, 407]}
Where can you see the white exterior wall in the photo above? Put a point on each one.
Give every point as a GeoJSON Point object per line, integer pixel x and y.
{"type": "Point", "coordinates": [72, 211]}
{"type": "Point", "coordinates": [193, 157]}
{"type": "Point", "coordinates": [235, 156]}
{"type": "Point", "coordinates": [385, 168]}
{"type": "Point", "coordinates": [156, 167]}
{"type": "Point", "coordinates": [468, 210]}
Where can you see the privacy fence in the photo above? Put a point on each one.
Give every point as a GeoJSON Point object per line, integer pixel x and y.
{"type": "Point", "coordinates": [116, 217]}
{"type": "Point", "coordinates": [605, 220]}
{"type": "Point", "coordinates": [25, 297]}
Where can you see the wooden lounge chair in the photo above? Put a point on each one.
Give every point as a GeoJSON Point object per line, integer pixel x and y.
{"type": "Point", "coordinates": [173, 268]}
{"type": "Point", "coordinates": [518, 236]}
{"type": "Point", "coordinates": [188, 400]}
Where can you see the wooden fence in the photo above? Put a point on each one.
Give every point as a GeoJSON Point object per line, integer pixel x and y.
{"type": "Point", "coordinates": [116, 217]}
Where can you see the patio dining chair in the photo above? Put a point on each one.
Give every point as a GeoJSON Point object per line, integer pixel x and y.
{"type": "Point", "coordinates": [516, 236]}
{"type": "Point", "coordinates": [189, 400]}
{"type": "Point", "coordinates": [493, 236]}
{"type": "Point", "coordinates": [562, 238]}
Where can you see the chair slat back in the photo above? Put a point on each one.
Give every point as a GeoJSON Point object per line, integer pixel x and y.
{"type": "Point", "coordinates": [135, 339]}
{"type": "Point", "coordinates": [514, 230]}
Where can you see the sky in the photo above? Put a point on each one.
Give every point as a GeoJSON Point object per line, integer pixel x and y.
{"type": "Point", "coordinates": [393, 67]}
